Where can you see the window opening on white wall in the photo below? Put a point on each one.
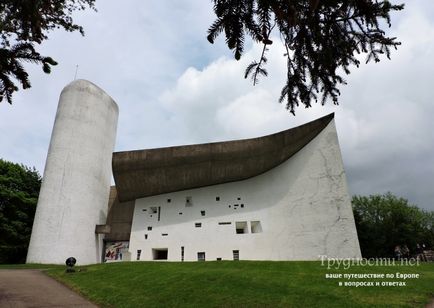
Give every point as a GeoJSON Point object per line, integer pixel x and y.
{"type": "Point", "coordinates": [139, 252]}
{"type": "Point", "coordinates": [164, 234]}
{"type": "Point", "coordinates": [198, 225]}
{"type": "Point", "coordinates": [225, 223]}
{"type": "Point", "coordinates": [255, 227]}
{"type": "Point", "coordinates": [202, 213]}
{"type": "Point", "coordinates": [236, 254]}
{"type": "Point", "coordinates": [201, 256]}
{"type": "Point", "coordinates": [182, 253]}
{"type": "Point", "coordinates": [169, 200]}
{"type": "Point", "coordinates": [146, 236]}
{"type": "Point", "coordinates": [241, 227]}
{"type": "Point", "coordinates": [217, 198]}
{"type": "Point", "coordinates": [159, 213]}
{"type": "Point", "coordinates": [159, 253]}
{"type": "Point", "coordinates": [149, 228]}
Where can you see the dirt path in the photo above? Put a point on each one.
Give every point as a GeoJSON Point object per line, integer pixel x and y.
{"type": "Point", "coordinates": [31, 288]}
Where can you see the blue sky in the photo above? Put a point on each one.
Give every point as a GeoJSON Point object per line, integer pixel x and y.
{"type": "Point", "coordinates": [173, 88]}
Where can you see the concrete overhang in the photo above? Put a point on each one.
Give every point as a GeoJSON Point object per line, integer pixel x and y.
{"type": "Point", "coordinates": [143, 173]}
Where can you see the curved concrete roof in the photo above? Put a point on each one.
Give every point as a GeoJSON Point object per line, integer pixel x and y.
{"type": "Point", "coordinates": [143, 173]}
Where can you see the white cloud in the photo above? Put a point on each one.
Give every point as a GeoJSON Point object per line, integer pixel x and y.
{"type": "Point", "coordinates": [173, 87]}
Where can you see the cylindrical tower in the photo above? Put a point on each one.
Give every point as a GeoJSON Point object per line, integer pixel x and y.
{"type": "Point", "coordinates": [76, 182]}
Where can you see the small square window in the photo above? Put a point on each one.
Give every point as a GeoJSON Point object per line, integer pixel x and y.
{"type": "Point", "coordinates": [255, 227]}
{"type": "Point", "coordinates": [169, 200]}
{"type": "Point", "coordinates": [242, 205]}
{"type": "Point", "coordinates": [217, 198]}
{"type": "Point", "coordinates": [149, 228]}
{"type": "Point", "coordinates": [238, 198]}
{"type": "Point", "coordinates": [198, 225]}
{"type": "Point", "coordinates": [180, 213]}
{"type": "Point", "coordinates": [202, 213]}
{"type": "Point", "coordinates": [241, 227]}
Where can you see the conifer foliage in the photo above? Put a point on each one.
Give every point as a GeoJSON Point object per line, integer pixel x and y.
{"type": "Point", "coordinates": [24, 23]}
{"type": "Point", "coordinates": [321, 37]}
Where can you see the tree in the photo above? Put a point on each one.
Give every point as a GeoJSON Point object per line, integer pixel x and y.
{"type": "Point", "coordinates": [24, 23]}
{"type": "Point", "coordinates": [384, 221]}
{"type": "Point", "coordinates": [320, 37]}
{"type": "Point", "coordinates": [19, 190]}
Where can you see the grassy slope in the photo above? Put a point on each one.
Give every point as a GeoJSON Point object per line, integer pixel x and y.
{"type": "Point", "coordinates": [240, 284]}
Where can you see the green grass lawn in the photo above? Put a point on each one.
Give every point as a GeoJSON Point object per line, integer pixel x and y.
{"type": "Point", "coordinates": [241, 284]}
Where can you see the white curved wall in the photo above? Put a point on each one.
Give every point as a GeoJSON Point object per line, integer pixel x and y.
{"type": "Point", "coordinates": [303, 205]}
{"type": "Point", "coordinates": [76, 182]}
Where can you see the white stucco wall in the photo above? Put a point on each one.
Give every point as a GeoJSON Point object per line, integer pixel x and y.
{"type": "Point", "coordinates": [76, 182]}
{"type": "Point", "coordinates": [303, 206]}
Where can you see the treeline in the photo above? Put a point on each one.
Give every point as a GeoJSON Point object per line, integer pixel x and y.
{"type": "Point", "coordinates": [19, 190]}
{"type": "Point", "coordinates": [385, 221]}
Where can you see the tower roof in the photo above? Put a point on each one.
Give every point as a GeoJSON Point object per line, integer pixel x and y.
{"type": "Point", "coordinates": [143, 173]}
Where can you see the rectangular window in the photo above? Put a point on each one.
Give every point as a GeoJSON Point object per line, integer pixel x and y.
{"type": "Point", "coordinates": [149, 228]}
{"type": "Point", "coordinates": [159, 212]}
{"type": "Point", "coordinates": [188, 201]}
{"type": "Point", "coordinates": [201, 256]}
{"type": "Point", "coordinates": [182, 253]}
{"type": "Point", "coordinates": [139, 252]}
{"type": "Point", "coordinates": [198, 225]}
{"type": "Point", "coordinates": [255, 227]}
{"type": "Point", "coordinates": [219, 259]}
{"type": "Point", "coordinates": [225, 223]}
{"type": "Point", "coordinates": [159, 253]}
{"type": "Point", "coordinates": [236, 254]}
{"type": "Point", "coordinates": [217, 198]}
{"type": "Point", "coordinates": [146, 236]}
{"type": "Point", "coordinates": [202, 213]}
{"type": "Point", "coordinates": [164, 234]}
{"type": "Point", "coordinates": [241, 227]}
{"type": "Point", "coordinates": [169, 200]}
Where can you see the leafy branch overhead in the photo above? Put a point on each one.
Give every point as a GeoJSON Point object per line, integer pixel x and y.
{"type": "Point", "coordinates": [25, 23]}
{"type": "Point", "coordinates": [320, 38]}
